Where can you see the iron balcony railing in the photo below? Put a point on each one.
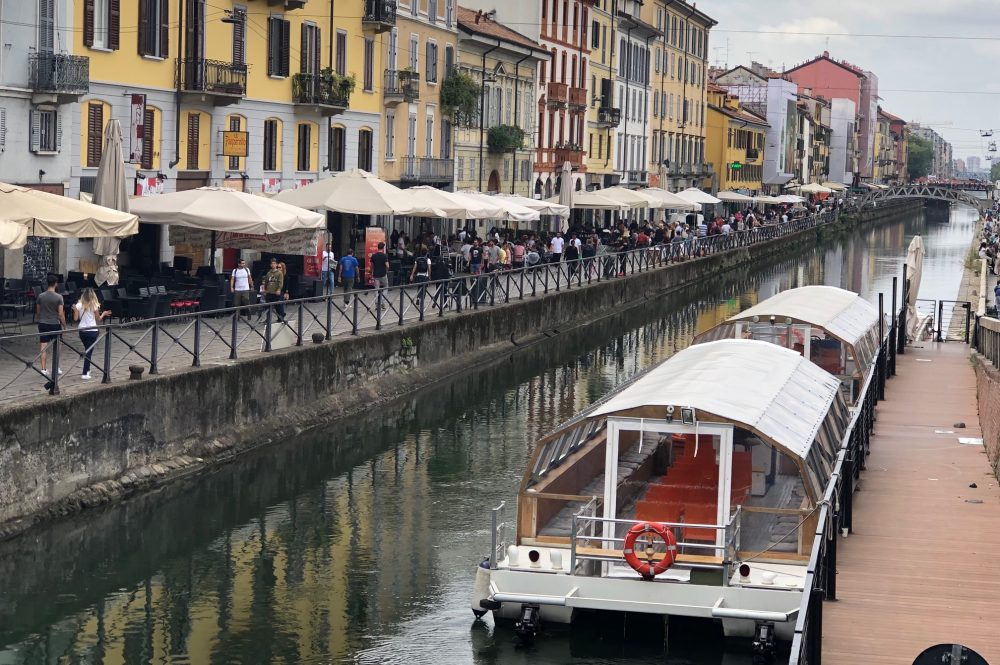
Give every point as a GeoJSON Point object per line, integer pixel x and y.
{"type": "Point", "coordinates": [59, 73]}
{"type": "Point", "coordinates": [637, 176]}
{"type": "Point", "coordinates": [213, 76]}
{"type": "Point", "coordinates": [319, 90]}
{"type": "Point", "coordinates": [401, 84]}
{"type": "Point", "coordinates": [427, 169]}
{"type": "Point", "coordinates": [379, 13]}
{"type": "Point", "coordinates": [609, 117]}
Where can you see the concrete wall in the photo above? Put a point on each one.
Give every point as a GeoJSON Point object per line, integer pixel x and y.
{"type": "Point", "coordinates": [988, 392]}
{"type": "Point", "coordinates": [61, 454]}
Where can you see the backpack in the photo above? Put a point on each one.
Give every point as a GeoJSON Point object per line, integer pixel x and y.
{"type": "Point", "coordinates": [422, 265]}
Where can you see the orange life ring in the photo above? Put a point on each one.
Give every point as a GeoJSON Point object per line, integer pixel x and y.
{"type": "Point", "coordinates": [647, 568]}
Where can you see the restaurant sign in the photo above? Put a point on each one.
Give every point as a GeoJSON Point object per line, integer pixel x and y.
{"type": "Point", "coordinates": [234, 143]}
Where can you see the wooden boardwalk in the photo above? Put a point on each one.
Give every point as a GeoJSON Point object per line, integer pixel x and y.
{"type": "Point", "coordinates": [921, 567]}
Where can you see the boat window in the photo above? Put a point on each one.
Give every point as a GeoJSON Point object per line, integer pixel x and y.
{"type": "Point", "coordinates": [554, 451]}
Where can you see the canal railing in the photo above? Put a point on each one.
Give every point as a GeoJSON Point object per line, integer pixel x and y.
{"type": "Point", "coordinates": [153, 345]}
{"type": "Point", "coordinates": [836, 509]}
{"type": "Point", "coordinates": [986, 339]}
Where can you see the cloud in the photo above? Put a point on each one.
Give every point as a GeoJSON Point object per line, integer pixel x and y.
{"type": "Point", "coordinates": [806, 30]}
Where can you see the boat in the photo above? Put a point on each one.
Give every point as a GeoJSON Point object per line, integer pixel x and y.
{"type": "Point", "coordinates": [836, 329]}
{"type": "Point", "coordinates": [694, 490]}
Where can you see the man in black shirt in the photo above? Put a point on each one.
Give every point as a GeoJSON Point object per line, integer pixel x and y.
{"type": "Point", "coordinates": [380, 267]}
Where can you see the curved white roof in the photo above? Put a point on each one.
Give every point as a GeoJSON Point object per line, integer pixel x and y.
{"type": "Point", "coordinates": [763, 386]}
{"type": "Point", "coordinates": [844, 314]}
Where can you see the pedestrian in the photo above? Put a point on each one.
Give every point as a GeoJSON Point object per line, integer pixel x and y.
{"type": "Point", "coordinates": [476, 257]}
{"type": "Point", "coordinates": [274, 283]}
{"type": "Point", "coordinates": [51, 319]}
{"type": "Point", "coordinates": [241, 284]}
{"type": "Point", "coordinates": [492, 255]}
{"type": "Point", "coordinates": [348, 269]}
{"type": "Point", "coordinates": [556, 248]}
{"type": "Point", "coordinates": [572, 254]}
{"type": "Point", "coordinates": [518, 258]}
{"type": "Point", "coordinates": [420, 274]}
{"type": "Point", "coordinates": [284, 290]}
{"type": "Point", "coordinates": [379, 262]}
{"type": "Point", "coordinates": [329, 269]}
{"type": "Point", "coordinates": [87, 311]}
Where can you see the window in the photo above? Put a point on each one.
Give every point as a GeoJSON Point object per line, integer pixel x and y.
{"type": "Point", "coordinates": [338, 147]}
{"type": "Point", "coordinates": [46, 132]}
{"type": "Point", "coordinates": [449, 12]}
{"type": "Point", "coordinates": [369, 72]}
{"type": "Point", "coordinates": [341, 53]}
{"type": "Point", "coordinates": [47, 26]}
{"type": "Point", "coordinates": [148, 138]}
{"type": "Point", "coordinates": [414, 48]}
{"type": "Point", "coordinates": [390, 135]}
{"type": "Point", "coordinates": [595, 35]}
{"type": "Point", "coordinates": [95, 129]}
{"type": "Point", "coordinates": [193, 142]}
{"type": "Point", "coordinates": [271, 145]}
{"type": "Point", "coordinates": [309, 58]}
{"type": "Point", "coordinates": [445, 138]}
{"type": "Point", "coordinates": [154, 28]}
{"type": "Point", "coordinates": [432, 11]}
{"type": "Point", "coordinates": [414, 7]}
{"type": "Point", "coordinates": [235, 125]}
{"type": "Point", "coordinates": [365, 150]}
{"type": "Point", "coordinates": [239, 35]}
{"type": "Point", "coordinates": [278, 46]}
{"type": "Point", "coordinates": [460, 166]}
{"type": "Point", "coordinates": [101, 22]}
{"type": "Point", "coordinates": [432, 65]}
{"type": "Point", "coordinates": [303, 160]}
{"type": "Point", "coordinates": [429, 137]}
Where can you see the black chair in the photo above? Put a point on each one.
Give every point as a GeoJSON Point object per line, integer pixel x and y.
{"type": "Point", "coordinates": [147, 309]}
{"type": "Point", "coordinates": [211, 299]}
{"type": "Point", "coordinates": [162, 306]}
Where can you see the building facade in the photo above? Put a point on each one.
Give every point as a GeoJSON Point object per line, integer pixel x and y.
{"type": "Point", "coordinates": [844, 144]}
{"type": "Point", "coordinates": [493, 152]}
{"type": "Point", "coordinates": [735, 144]}
{"type": "Point", "coordinates": [941, 163]}
{"type": "Point", "coordinates": [679, 88]}
{"type": "Point", "coordinates": [604, 115]}
{"type": "Point", "coordinates": [632, 89]}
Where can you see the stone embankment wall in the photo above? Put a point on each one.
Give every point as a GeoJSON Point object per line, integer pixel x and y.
{"type": "Point", "coordinates": [62, 454]}
{"type": "Point", "coordinates": [988, 393]}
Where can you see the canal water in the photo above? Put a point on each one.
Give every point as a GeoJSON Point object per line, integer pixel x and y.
{"type": "Point", "coordinates": [357, 543]}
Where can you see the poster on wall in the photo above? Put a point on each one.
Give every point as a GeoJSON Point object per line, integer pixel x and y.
{"type": "Point", "coordinates": [373, 236]}
{"type": "Point", "coordinates": [311, 264]}
{"type": "Point", "coordinates": [148, 186]}
{"type": "Point", "coordinates": [270, 185]}
{"type": "Point", "coordinates": [138, 133]}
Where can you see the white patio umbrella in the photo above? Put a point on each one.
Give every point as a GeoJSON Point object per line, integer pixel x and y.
{"type": "Point", "coordinates": [633, 197]}
{"type": "Point", "coordinates": [512, 209]}
{"type": "Point", "coordinates": [353, 192]}
{"type": "Point", "coordinates": [669, 200]}
{"type": "Point", "coordinates": [733, 197]}
{"type": "Point", "coordinates": [453, 205]}
{"type": "Point", "coordinates": [53, 216]}
{"type": "Point", "coordinates": [695, 195]}
{"type": "Point", "coordinates": [538, 205]}
{"type": "Point", "coordinates": [768, 200]}
{"type": "Point", "coordinates": [593, 201]}
{"type": "Point", "coordinates": [13, 235]}
{"type": "Point", "coordinates": [110, 191]}
{"type": "Point", "coordinates": [789, 198]}
{"type": "Point", "coordinates": [221, 209]}
{"type": "Point", "coordinates": [914, 271]}
{"type": "Point", "coordinates": [813, 188]}
{"type": "Point", "coordinates": [566, 191]}
{"type": "Point", "coordinates": [835, 186]}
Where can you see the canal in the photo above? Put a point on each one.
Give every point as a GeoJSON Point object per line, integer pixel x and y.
{"type": "Point", "coordinates": [357, 543]}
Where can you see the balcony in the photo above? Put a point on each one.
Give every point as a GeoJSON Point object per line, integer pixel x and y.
{"type": "Point", "coordinates": [427, 170]}
{"type": "Point", "coordinates": [578, 98]}
{"type": "Point", "coordinates": [752, 154]}
{"type": "Point", "coordinates": [380, 15]}
{"type": "Point", "coordinates": [637, 177]}
{"type": "Point", "coordinates": [400, 86]}
{"type": "Point", "coordinates": [572, 154]}
{"type": "Point", "coordinates": [556, 94]}
{"type": "Point", "coordinates": [222, 83]}
{"type": "Point", "coordinates": [287, 4]}
{"type": "Point", "coordinates": [329, 95]}
{"type": "Point", "coordinates": [64, 77]}
{"type": "Point", "coordinates": [608, 117]}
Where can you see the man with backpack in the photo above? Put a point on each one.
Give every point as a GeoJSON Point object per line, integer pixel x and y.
{"type": "Point", "coordinates": [241, 284]}
{"type": "Point", "coordinates": [421, 274]}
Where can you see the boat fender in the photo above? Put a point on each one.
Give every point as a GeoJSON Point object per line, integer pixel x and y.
{"type": "Point", "coordinates": [648, 569]}
{"type": "Point", "coordinates": [481, 588]}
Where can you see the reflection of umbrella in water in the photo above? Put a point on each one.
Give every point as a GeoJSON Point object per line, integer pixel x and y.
{"type": "Point", "coordinates": [110, 191]}
{"type": "Point", "coordinates": [914, 271]}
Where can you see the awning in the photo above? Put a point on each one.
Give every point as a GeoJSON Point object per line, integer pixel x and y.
{"type": "Point", "coordinates": [733, 197]}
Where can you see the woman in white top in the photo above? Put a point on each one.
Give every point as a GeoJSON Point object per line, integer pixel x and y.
{"type": "Point", "coordinates": [88, 312]}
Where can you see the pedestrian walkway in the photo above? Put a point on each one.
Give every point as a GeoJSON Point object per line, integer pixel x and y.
{"type": "Point", "coordinates": [920, 567]}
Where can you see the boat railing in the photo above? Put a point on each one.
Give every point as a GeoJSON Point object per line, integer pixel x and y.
{"type": "Point", "coordinates": [498, 535]}
{"type": "Point", "coordinates": [835, 510]}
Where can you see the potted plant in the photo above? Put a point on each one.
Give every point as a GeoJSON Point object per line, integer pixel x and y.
{"type": "Point", "coordinates": [459, 95]}
{"type": "Point", "coordinates": [505, 138]}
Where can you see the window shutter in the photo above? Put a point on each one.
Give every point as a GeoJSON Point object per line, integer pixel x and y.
{"type": "Point", "coordinates": [35, 130]}
{"type": "Point", "coordinates": [306, 57]}
{"type": "Point", "coordinates": [95, 123]}
{"type": "Point", "coordinates": [148, 138]}
{"type": "Point", "coordinates": [317, 49]}
{"type": "Point", "coordinates": [286, 45]}
{"type": "Point", "coordinates": [144, 19]}
{"type": "Point", "coordinates": [58, 120]}
{"type": "Point", "coordinates": [272, 46]}
{"type": "Point", "coordinates": [3, 128]}
{"type": "Point", "coordinates": [239, 38]}
{"type": "Point", "coordinates": [193, 138]}
{"type": "Point", "coordinates": [164, 29]}
{"type": "Point", "coordinates": [114, 23]}
{"type": "Point", "coordinates": [88, 22]}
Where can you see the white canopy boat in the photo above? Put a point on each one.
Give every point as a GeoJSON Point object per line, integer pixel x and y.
{"type": "Point", "coordinates": [695, 490]}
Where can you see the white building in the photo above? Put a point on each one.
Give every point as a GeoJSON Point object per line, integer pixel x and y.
{"type": "Point", "coordinates": [632, 90]}
{"type": "Point", "coordinates": [843, 145]}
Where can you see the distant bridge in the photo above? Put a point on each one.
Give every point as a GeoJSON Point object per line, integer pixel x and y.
{"type": "Point", "coordinates": [925, 191]}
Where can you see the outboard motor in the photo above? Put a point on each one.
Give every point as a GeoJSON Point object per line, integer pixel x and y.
{"type": "Point", "coordinates": [527, 627]}
{"type": "Point", "coordinates": [764, 646]}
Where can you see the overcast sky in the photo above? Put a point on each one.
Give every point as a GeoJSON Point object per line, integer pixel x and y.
{"type": "Point", "coordinates": [922, 62]}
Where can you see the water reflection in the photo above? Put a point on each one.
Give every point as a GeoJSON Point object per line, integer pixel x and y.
{"type": "Point", "coordinates": [356, 543]}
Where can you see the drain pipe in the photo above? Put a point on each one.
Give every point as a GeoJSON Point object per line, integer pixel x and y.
{"type": "Point", "coordinates": [177, 90]}
{"type": "Point", "coordinates": [517, 107]}
{"type": "Point", "coordinates": [482, 108]}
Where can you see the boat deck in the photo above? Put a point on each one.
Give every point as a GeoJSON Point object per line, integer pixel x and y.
{"type": "Point", "coordinates": [920, 567]}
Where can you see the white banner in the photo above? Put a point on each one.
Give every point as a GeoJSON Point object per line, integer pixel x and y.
{"type": "Point", "coordinates": [138, 133]}
{"type": "Point", "coordinates": [302, 242]}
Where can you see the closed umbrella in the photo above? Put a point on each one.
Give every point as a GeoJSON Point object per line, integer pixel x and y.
{"type": "Point", "coordinates": [354, 192]}
{"type": "Point", "coordinates": [695, 195]}
{"type": "Point", "coordinates": [566, 190]}
{"type": "Point", "coordinates": [53, 216]}
{"type": "Point", "coordinates": [110, 191]}
{"type": "Point", "coordinates": [914, 271]}
{"type": "Point", "coordinates": [13, 235]}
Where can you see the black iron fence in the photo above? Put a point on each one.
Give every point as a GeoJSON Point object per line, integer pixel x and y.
{"type": "Point", "coordinates": [427, 169]}
{"type": "Point", "coordinates": [320, 90]}
{"type": "Point", "coordinates": [213, 76]}
{"type": "Point", "coordinates": [59, 73]}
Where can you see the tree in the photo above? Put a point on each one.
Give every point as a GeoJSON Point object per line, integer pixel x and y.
{"type": "Point", "coordinates": [995, 172]}
{"type": "Point", "coordinates": [919, 157]}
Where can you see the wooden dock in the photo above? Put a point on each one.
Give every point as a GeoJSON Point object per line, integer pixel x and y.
{"type": "Point", "coordinates": [923, 564]}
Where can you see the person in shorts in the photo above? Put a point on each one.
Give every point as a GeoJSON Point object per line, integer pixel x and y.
{"type": "Point", "coordinates": [51, 317]}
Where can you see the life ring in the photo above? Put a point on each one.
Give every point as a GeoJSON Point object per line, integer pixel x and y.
{"type": "Point", "coordinates": [647, 568]}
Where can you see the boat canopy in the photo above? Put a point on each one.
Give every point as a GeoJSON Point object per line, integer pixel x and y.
{"type": "Point", "coordinates": [768, 389]}
{"type": "Point", "coordinates": [842, 314]}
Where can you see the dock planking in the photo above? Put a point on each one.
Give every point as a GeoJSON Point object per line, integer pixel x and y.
{"type": "Point", "coordinates": [920, 567]}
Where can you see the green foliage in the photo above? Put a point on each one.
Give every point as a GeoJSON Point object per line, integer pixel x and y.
{"type": "Point", "coordinates": [504, 138]}
{"type": "Point", "coordinates": [459, 96]}
{"type": "Point", "coordinates": [995, 171]}
{"type": "Point", "coordinates": [919, 157]}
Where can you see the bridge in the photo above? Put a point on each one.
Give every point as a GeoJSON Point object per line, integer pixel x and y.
{"type": "Point", "coordinates": [925, 191]}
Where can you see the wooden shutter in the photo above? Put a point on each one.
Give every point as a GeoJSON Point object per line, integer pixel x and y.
{"type": "Point", "coordinates": [95, 122]}
{"type": "Point", "coordinates": [273, 38]}
{"type": "Point", "coordinates": [239, 37]}
{"type": "Point", "coordinates": [3, 128]}
{"type": "Point", "coordinates": [57, 118]}
{"type": "Point", "coordinates": [34, 127]}
{"type": "Point", "coordinates": [148, 139]}
{"type": "Point", "coordinates": [286, 46]}
{"type": "Point", "coordinates": [144, 21]}
{"type": "Point", "coordinates": [317, 49]}
{"type": "Point", "coordinates": [164, 29]}
{"type": "Point", "coordinates": [46, 25]}
{"type": "Point", "coordinates": [114, 23]}
{"type": "Point", "coordinates": [88, 22]}
{"type": "Point", "coordinates": [305, 57]}
{"type": "Point", "coordinates": [194, 137]}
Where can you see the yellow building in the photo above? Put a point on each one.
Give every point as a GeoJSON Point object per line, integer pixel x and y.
{"type": "Point", "coordinates": [679, 79]}
{"type": "Point", "coordinates": [604, 115]}
{"type": "Point", "coordinates": [496, 155]}
{"type": "Point", "coordinates": [302, 88]}
{"type": "Point", "coordinates": [734, 143]}
{"type": "Point", "coordinates": [418, 53]}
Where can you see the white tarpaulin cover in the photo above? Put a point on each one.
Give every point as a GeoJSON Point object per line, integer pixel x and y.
{"type": "Point", "coordinates": [763, 386]}
{"type": "Point", "coordinates": [53, 216]}
{"type": "Point", "coordinates": [12, 236]}
{"type": "Point", "coordinates": [914, 271]}
{"type": "Point", "coordinates": [221, 209]}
